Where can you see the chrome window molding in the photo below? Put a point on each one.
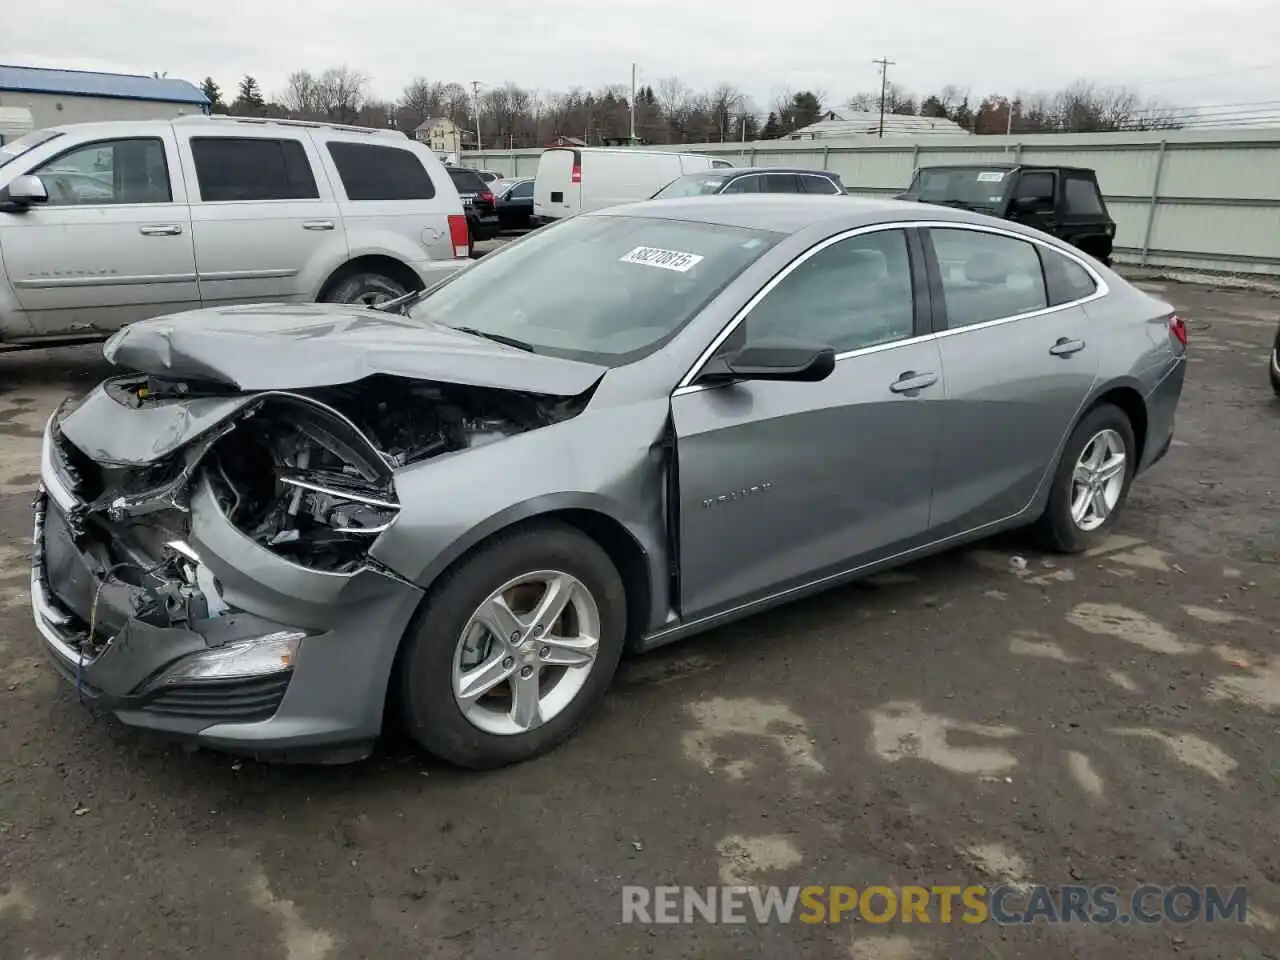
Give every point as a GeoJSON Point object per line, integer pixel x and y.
{"type": "Point", "coordinates": [1102, 288]}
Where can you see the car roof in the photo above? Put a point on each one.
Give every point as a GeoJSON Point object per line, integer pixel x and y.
{"type": "Point", "coordinates": [740, 171]}
{"type": "Point", "coordinates": [789, 212]}
{"type": "Point", "coordinates": [1004, 165]}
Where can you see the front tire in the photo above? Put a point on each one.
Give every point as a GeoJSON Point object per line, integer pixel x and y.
{"type": "Point", "coordinates": [1092, 481]}
{"type": "Point", "coordinates": [364, 288]}
{"type": "Point", "coordinates": [514, 648]}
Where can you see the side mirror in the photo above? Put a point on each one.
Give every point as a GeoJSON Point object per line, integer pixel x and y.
{"type": "Point", "coordinates": [26, 190]}
{"type": "Point", "coordinates": [778, 360]}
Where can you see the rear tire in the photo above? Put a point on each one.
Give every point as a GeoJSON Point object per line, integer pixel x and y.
{"type": "Point", "coordinates": [364, 288]}
{"type": "Point", "coordinates": [1090, 476]}
{"type": "Point", "coordinates": [1274, 366]}
{"type": "Point", "coordinates": [449, 648]}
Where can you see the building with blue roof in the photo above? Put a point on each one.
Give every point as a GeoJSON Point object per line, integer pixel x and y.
{"type": "Point", "coordinates": [57, 97]}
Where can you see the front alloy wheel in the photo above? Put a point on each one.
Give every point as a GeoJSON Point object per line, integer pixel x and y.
{"type": "Point", "coordinates": [1275, 366]}
{"type": "Point", "coordinates": [526, 652]}
{"type": "Point", "coordinates": [513, 647]}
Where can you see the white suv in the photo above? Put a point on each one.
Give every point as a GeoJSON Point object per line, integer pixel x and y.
{"type": "Point", "coordinates": [102, 224]}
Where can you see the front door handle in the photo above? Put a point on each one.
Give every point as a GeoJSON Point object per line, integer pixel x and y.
{"type": "Point", "coordinates": [912, 383]}
{"type": "Point", "coordinates": [160, 230]}
{"type": "Point", "coordinates": [1066, 347]}
{"type": "Point", "coordinates": [318, 225]}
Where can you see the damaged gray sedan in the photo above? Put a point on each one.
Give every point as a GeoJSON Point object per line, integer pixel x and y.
{"type": "Point", "coordinates": [281, 523]}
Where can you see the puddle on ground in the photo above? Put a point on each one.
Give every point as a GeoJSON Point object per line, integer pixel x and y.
{"type": "Point", "coordinates": [744, 859]}
{"type": "Point", "coordinates": [904, 731]}
{"type": "Point", "coordinates": [299, 940]}
{"type": "Point", "coordinates": [1113, 620]}
{"type": "Point", "coordinates": [1031, 643]}
{"type": "Point", "coordinates": [1086, 778]}
{"type": "Point", "coordinates": [1000, 863]}
{"type": "Point", "coordinates": [1187, 749]}
{"type": "Point", "coordinates": [721, 718]}
{"type": "Point", "coordinates": [876, 947]}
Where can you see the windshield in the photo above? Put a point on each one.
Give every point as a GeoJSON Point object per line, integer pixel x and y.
{"type": "Point", "coordinates": [693, 185]}
{"type": "Point", "coordinates": [605, 289]}
{"type": "Point", "coordinates": [971, 186]}
{"type": "Point", "coordinates": [16, 148]}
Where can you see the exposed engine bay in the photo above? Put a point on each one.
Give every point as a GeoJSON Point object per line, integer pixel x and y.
{"type": "Point", "coordinates": [308, 475]}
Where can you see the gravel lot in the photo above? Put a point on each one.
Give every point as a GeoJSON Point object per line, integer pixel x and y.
{"type": "Point", "coordinates": [1101, 719]}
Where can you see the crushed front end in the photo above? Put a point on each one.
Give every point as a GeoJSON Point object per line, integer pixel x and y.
{"type": "Point", "coordinates": [201, 555]}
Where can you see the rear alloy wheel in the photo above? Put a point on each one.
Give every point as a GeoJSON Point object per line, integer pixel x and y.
{"type": "Point", "coordinates": [514, 648]}
{"type": "Point", "coordinates": [365, 289]}
{"type": "Point", "coordinates": [1092, 481]}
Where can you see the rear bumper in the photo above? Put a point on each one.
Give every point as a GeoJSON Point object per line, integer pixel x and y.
{"type": "Point", "coordinates": [1162, 409]}
{"type": "Point", "coordinates": [328, 703]}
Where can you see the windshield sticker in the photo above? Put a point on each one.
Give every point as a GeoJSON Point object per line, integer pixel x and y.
{"type": "Point", "coordinates": [666, 259]}
{"type": "Point", "coordinates": [990, 176]}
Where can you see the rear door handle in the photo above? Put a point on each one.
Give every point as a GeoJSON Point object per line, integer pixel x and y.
{"type": "Point", "coordinates": [912, 382]}
{"type": "Point", "coordinates": [318, 225]}
{"type": "Point", "coordinates": [160, 230]}
{"type": "Point", "coordinates": [1066, 347]}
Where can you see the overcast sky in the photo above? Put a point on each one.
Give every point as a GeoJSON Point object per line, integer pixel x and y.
{"type": "Point", "coordinates": [1185, 51]}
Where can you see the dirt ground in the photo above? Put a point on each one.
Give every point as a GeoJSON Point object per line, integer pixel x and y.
{"type": "Point", "coordinates": [1104, 719]}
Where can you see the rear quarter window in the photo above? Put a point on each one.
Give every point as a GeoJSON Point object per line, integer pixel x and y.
{"type": "Point", "coordinates": [1083, 198]}
{"type": "Point", "coordinates": [371, 172]}
{"type": "Point", "coordinates": [1065, 280]}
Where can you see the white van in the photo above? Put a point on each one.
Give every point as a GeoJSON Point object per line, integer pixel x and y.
{"type": "Point", "coordinates": [575, 180]}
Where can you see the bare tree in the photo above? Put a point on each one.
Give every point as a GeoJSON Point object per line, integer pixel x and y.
{"type": "Point", "coordinates": [301, 94]}
{"type": "Point", "coordinates": [420, 101]}
{"type": "Point", "coordinates": [343, 92]}
{"type": "Point", "coordinates": [675, 101]}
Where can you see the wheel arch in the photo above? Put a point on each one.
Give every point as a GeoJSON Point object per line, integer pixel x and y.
{"type": "Point", "coordinates": [638, 563]}
{"type": "Point", "coordinates": [379, 263]}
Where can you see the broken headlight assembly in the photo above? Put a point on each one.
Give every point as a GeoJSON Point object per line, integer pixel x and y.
{"type": "Point", "coordinates": [240, 660]}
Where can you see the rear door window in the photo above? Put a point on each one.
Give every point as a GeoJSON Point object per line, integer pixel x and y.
{"type": "Point", "coordinates": [371, 172]}
{"type": "Point", "coordinates": [1038, 186]}
{"type": "Point", "coordinates": [744, 185]}
{"type": "Point", "coordinates": [248, 169]}
{"type": "Point", "coordinates": [522, 191]}
{"type": "Point", "coordinates": [987, 276]}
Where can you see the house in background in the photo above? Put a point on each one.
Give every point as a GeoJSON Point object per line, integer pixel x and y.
{"type": "Point", "coordinates": [56, 97]}
{"type": "Point", "coordinates": [443, 136]}
{"type": "Point", "coordinates": [854, 123]}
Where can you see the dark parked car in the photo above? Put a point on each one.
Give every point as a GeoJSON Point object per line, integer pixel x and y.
{"type": "Point", "coordinates": [282, 522]}
{"type": "Point", "coordinates": [1064, 202]}
{"type": "Point", "coordinates": [515, 203]}
{"type": "Point", "coordinates": [752, 180]}
{"type": "Point", "coordinates": [1274, 365]}
{"type": "Point", "coordinates": [478, 203]}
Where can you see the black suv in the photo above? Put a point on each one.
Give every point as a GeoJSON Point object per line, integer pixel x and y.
{"type": "Point", "coordinates": [752, 180]}
{"type": "Point", "coordinates": [1062, 201]}
{"type": "Point", "coordinates": [478, 203]}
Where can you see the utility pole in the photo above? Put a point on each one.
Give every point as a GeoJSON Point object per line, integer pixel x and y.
{"type": "Point", "coordinates": [632, 142]}
{"type": "Point", "coordinates": [475, 99]}
{"type": "Point", "coordinates": [885, 64]}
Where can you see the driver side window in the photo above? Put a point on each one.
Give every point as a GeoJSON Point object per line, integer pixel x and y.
{"type": "Point", "coordinates": [856, 293]}
{"type": "Point", "coordinates": [108, 172]}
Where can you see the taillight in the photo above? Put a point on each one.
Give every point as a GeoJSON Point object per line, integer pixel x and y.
{"type": "Point", "coordinates": [1178, 329]}
{"type": "Point", "coordinates": [459, 235]}
{"type": "Point", "coordinates": [577, 173]}
{"type": "Point", "coordinates": [486, 197]}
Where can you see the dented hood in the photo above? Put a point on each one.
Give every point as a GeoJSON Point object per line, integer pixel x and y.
{"type": "Point", "coordinates": [293, 347]}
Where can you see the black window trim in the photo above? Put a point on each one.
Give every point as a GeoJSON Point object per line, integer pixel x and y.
{"type": "Point", "coordinates": [100, 143]}
{"type": "Point", "coordinates": [819, 176]}
{"type": "Point", "coordinates": [320, 184]}
{"type": "Point", "coordinates": [937, 305]}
